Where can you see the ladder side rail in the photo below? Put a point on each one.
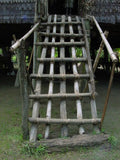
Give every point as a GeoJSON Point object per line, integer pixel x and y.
{"type": "Point", "coordinates": [51, 84]}
{"type": "Point", "coordinates": [36, 104]}
{"type": "Point", "coordinates": [76, 83]}
{"type": "Point", "coordinates": [91, 85]}
{"type": "Point", "coordinates": [92, 101]}
{"type": "Point", "coordinates": [63, 112]}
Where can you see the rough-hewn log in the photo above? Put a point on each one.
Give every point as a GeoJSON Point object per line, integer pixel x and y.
{"type": "Point", "coordinates": [66, 144]}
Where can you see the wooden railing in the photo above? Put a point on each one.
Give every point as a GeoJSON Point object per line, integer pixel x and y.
{"type": "Point", "coordinates": [112, 56]}
{"type": "Point", "coordinates": [18, 42]}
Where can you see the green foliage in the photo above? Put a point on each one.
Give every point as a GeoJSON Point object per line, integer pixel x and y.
{"type": "Point", "coordinates": [40, 136]}
{"type": "Point", "coordinates": [28, 150]}
{"type": "Point", "coordinates": [113, 141]}
{"type": "Point", "coordinates": [14, 59]}
{"type": "Point", "coordinates": [78, 52]}
{"type": "Point", "coordinates": [56, 52]}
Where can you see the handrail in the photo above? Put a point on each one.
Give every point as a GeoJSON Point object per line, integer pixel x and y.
{"type": "Point", "coordinates": [18, 42]}
{"type": "Point", "coordinates": [109, 49]}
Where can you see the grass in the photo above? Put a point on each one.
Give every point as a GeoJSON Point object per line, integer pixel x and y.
{"type": "Point", "coordinates": [12, 146]}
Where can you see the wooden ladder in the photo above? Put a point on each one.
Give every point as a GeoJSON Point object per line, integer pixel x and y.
{"type": "Point", "coordinates": [64, 35]}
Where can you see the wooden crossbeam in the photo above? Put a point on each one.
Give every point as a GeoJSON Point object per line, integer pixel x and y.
{"type": "Point", "coordinates": [60, 44]}
{"type": "Point", "coordinates": [59, 95]}
{"type": "Point", "coordinates": [65, 121]}
{"type": "Point", "coordinates": [62, 59]}
{"type": "Point", "coordinates": [61, 76]}
{"type": "Point", "coordinates": [65, 35]}
{"type": "Point", "coordinates": [60, 23]}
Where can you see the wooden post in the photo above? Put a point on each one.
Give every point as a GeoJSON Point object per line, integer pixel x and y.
{"type": "Point", "coordinates": [24, 91]}
{"type": "Point", "coordinates": [108, 94]}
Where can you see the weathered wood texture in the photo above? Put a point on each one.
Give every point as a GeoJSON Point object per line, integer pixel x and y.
{"type": "Point", "coordinates": [51, 84]}
{"type": "Point", "coordinates": [66, 58]}
{"type": "Point", "coordinates": [24, 91]}
{"type": "Point", "coordinates": [36, 104]}
{"type": "Point", "coordinates": [60, 144]}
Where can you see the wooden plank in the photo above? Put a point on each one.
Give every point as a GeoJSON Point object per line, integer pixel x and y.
{"type": "Point", "coordinates": [76, 83]}
{"type": "Point", "coordinates": [51, 84]}
{"type": "Point", "coordinates": [65, 121]}
{"type": "Point", "coordinates": [36, 104]}
{"type": "Point", "coordinates": [63, 111]}
{"type": "Point", "coordinates": [57, 44]}
{"type": "Point", "coordinates": [58, 95]}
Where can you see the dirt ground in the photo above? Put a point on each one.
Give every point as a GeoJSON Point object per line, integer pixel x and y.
{"type": "Point", "coordinates": [12, 146]}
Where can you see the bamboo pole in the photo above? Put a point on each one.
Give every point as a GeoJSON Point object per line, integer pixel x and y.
{"type": "Point", "coordinates": [61, 35]}
{"type": "Point", "coordinates": [61, 76]}
{"type": "Point", "coordinates": [109, 49]}
{"type": "Point", "coordinates": [64, 96]}
{"type": "Point", "coordinates": [65, 121]}
{"type": "Point", "coordinates": [99, 52]}
{"type": "Point", "coordinates": [18, 43]}
{"type": "Point", "coordinates": [62, 59]}
{"type": "Point", "coordinates": [108, 94]}
{"type": "Point", "coordinates": [60, 44]}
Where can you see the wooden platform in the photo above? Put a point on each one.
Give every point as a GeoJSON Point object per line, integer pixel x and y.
{"type": "Point", "coordinates": [66, 144]}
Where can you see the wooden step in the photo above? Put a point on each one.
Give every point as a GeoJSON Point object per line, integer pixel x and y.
{"type": "Point", "coordinates": [56, 44]}
{"type": "Point", "coordinates": [60, 76]}
{"type": "Point", "coordinates": [59, 95]}
{"type": "Point", "coordinates": [60, 23]}
{"type": "Point", "coordinates": [65, 121]}
{"type": "Point", "coordinates": [62, 59]}
{"type": "Point", "coordinates": [61, 35]}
